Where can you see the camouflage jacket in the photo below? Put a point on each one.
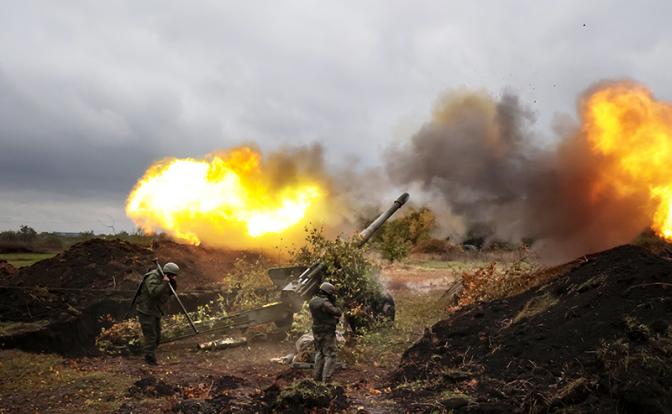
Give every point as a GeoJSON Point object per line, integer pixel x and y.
{"type": "Point", "coordinates": [153, 294]}
{"type": "Point", "coordinates": [325, 314]}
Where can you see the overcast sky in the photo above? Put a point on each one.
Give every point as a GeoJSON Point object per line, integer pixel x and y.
{"type": "Point", "coordinates": [92, 92]}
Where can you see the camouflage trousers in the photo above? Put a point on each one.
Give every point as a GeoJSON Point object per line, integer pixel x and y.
{"type": "Point", "coordinates": [151, 332]}
{"type": "Point", "coordinates": [325, 357]}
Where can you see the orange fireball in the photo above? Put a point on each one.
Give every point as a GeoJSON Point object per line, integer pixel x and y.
{"type": "Point", "coordinates": [226, 195]}
{"type": "Point", "coordinates": [632, 131]}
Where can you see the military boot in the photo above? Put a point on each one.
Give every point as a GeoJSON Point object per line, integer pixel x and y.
{"type": "Point", "coordinates": [150, 360]}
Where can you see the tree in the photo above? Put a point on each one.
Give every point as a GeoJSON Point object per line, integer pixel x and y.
{"type": "Point", "coordinates": [394, 243]}
{"type": "Point", "coordinates": [27, 233]}
{"type": "Point", "coordinates": [397, 237]}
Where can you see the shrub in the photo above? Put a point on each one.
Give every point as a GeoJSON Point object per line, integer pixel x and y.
{"type": "Point", "coordinates": [492, 282]}
{"type": "Point", "coordinates": [347, 267]}
{"type": "Point", "coordinates": [397, 237]}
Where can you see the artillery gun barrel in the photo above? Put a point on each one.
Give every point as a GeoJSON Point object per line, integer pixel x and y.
{"type": "Point", "coordinates": [366, 234]}
{"type": "Point", "coordinates": [307, 283]}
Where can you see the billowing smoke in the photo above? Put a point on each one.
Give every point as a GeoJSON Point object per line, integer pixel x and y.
{"type": "Point", "coordinates": [479, 155]}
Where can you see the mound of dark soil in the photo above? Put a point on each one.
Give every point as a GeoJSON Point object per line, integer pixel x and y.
{"type": "Point", "coordinates": [93, 264]}
{"type": "Point", "coordinates": [595, 339]}
{"type": "Point", "coordinates": [6, 269]}
{"type": "Point", "coordinates": [305, 395]}
{"type": "Point", "coordinates": [117, 264]}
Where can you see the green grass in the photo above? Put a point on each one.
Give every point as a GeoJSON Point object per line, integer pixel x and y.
{"type": "Point", "coordinates": [384, 346]}
{"type": "Point", "coordinates": [456, 265]}
{"type": "Point", "coordinates": [25, 259]}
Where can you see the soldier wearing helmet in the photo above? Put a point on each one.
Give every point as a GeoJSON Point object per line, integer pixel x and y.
{"type": "Point", "coordinates": [325, 318]}
{"type": "Point", "coordinates": [153, 294]}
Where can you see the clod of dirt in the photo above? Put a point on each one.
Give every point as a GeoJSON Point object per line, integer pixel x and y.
{"type": "Point", "coordinates": [6, 269]}
{"type": "Point", "coordinates": [587, 340]}
{"type": "Point", "coordinates": [305, 394]}
{"type": "Point", "coordinates": [150, 386]}
{"type": "Point", "coordinates": [227, 382]}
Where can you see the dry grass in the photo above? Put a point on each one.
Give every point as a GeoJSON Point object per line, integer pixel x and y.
{"type": "Point", "coordinates": [536, 306]}
{"type": "Point", "coordinates": [70, 388]}
{"type": "Point", "coordinates": [383, 346]}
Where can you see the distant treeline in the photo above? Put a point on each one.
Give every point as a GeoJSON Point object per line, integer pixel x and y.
{"type": "Point", "coordinates": [26, 239]}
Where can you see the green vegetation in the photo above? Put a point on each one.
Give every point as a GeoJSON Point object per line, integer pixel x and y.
{"type": "Point", "coordinates": [25, 259]}
{"type": "Point", "coordinates": [384, 345]}
{"type": "Point", "coordinates": [454, 265]}
{"type": "Point", "coordinates": [397, 237]}
{"type": "Point", "coordinates": [308, 394]}
{"type": "Point", "coordinates": [348, 268]}
{"type": "Point", "coordinates": [27, 240]}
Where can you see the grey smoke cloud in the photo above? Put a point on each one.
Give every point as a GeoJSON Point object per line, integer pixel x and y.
{"type": "Point", "coordinates": [479, 154]}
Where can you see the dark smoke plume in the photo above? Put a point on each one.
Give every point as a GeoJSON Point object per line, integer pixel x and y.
{"type": "Point", "coordinates": [479, 154]}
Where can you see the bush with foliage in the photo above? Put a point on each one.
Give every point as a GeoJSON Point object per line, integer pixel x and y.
{"type": "Point", "coordinates": [398, 237]}
{"type": "Point", "coordinates": [348, 269]}
{"type": "Point", "coordinates": [495, 281]}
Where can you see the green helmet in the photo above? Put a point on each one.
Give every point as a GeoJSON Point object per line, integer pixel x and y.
{"type": "Point", "coordinates": [171, 268]}
{"type": "Point", "coordinates": [328, 288]}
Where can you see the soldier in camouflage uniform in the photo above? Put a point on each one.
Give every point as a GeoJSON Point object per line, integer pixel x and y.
{"type": "Point", "coordinates": [154, 293]}
{"type": "Point", "coordinates": [325, 318]}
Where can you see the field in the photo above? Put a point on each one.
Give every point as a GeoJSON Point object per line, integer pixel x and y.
{"type": "Point", "coordinates": [24, 259]}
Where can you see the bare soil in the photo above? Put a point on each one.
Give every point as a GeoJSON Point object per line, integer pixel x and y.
{"type": "Point", "coordinates": [589, 340]}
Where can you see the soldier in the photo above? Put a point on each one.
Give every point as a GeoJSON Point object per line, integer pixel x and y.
{"type": "Point", "coordinates": [325, 318]}
{"type": "Point", "coordinates": [153, 295]}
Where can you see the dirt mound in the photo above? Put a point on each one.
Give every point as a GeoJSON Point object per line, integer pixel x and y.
{"type": "Point", "coordinates": [93, 264]}
{"type": "Point", "coordinates": [6, 269]}
{"type": "Point", "coordinates": [117, 264]}
{"type": "Point", "coordinates": [306, 395]}
{"type": "Point", "coordinates": [595, 339]}
{"type": "Point", "coordinates": [201, 266]}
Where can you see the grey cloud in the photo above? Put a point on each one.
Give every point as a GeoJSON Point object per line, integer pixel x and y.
{"type": "Point", "coordinates": [92, 92]}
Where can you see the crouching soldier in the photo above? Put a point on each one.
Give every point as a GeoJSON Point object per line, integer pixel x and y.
{"type": "Point", "coordinates": [154, 293]}
{"type": "Point", "coordinates": [325, 318]}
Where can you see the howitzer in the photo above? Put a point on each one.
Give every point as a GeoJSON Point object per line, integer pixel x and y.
{"type": "Point", "coordinates": [298, 285]}
{"type": "Point", "coordinates": [307, 283]}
